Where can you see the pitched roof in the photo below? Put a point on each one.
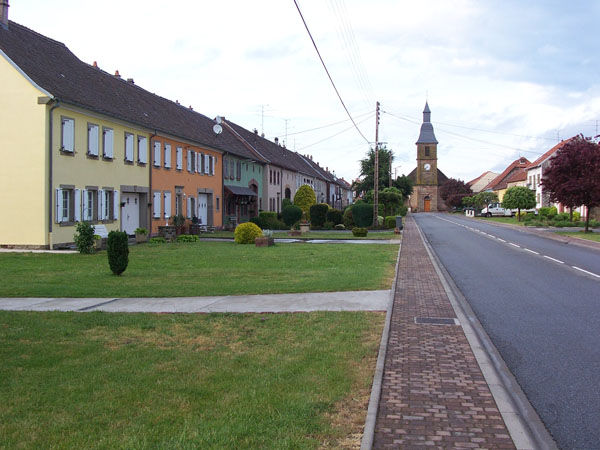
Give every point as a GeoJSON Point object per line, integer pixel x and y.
{"type": "Point", "coordinates": [426, 136]}
{"type": "Point", "coordinates": [500, 181]}
{"type": "Point", "coordinates": [475, 180]}
{"type": "Point", "coordinates": [54, 68]}
{"type": "Point", "coordinates": [517, 175]}
{"type": "Point", "coordinates": [549, 153]}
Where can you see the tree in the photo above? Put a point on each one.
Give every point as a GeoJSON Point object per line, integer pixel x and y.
{"type": "Point", "coordinates": [467, 201]}
{"type": "Point", "coordinates": [484, 198]}
{"type": "Point", "coordinates": [404, 185]}
{"type": "Point", "coordinates": [367, 172]}
{"type": "Point", "coordinates": [573, 177]}
{"type": "Point", "coordinates": [519, 197]}
{"type": "Point", "coordinates": [391, 198]}
{"type": "Point", "coordinates": [305, 198]}
{"type": "Point", "coordinates": [453, 191]}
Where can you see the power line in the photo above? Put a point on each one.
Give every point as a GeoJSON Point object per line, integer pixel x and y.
{"type": "Point", "coordinates": [328, 125]}
{"type": "Point", "coordinates": [336, 134]}
{"type": "Point", "coordinates": [327, 71]}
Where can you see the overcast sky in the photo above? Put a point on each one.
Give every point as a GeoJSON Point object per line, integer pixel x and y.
{"type": "Point", "coordinates": [503, 78]}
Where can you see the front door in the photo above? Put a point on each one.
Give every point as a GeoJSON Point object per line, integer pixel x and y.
{"type": "Point", "coordinates": [203, 209]}
{"type": "Point", "coordinates": [130, 215]}
{"type": "Point", "coordinates": [426, 204]}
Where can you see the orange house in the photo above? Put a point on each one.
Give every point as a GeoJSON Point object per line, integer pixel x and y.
{"type": "Point", "coordinates": [186, 179]}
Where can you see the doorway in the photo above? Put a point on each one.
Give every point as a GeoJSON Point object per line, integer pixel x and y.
{"type": "Point", "coordinates": [427, 204]}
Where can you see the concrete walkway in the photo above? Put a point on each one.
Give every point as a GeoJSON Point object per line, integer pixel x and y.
{"type": "Point", "coordinates": [304, 302]}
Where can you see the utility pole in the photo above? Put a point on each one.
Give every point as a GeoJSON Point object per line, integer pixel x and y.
{"type": "Point", "coordinates": [376, 169]}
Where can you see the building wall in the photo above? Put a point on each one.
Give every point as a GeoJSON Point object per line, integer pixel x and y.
{"type": "Point", "coordinates": [250, 173]}
{"type": "Point", "coordinates": [185, 181]}
{"type": "Point", "coordinates": [288, 180]}
{"type": "Point", "coordinates": [23, 172]}
{"type": "Point", "coordinates": [273, 188]}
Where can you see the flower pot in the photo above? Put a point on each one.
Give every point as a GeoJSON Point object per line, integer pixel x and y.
{"type": "Point", "coordinates": [264, 241]}
{"type": "Point", "coordinates": [304, 227]}
{"type": "Point", "coordinates": [140, 237]}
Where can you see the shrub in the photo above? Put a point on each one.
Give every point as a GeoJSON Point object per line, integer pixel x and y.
{"type": "Point", "coordinates": [245, 233]}
{"type": "Point", "coordinates": [546, 211]}
{"type": "Point", "coordinates": [528, 217]}
{"type": "Point", "coordinates": [576, 216]}
{"type": "Point", "coordinates": [318, 214]}
{"type": "Point", "coordinates": [594, 223]}
{"type": "Point", "coordinates": [340, 226]}
{"type": "Point", "coordinates": [359, 231]}
{"type": "Point", "coordinates": [268, 219]}
{"type": "Point", "coordinates": [291, 214]}
{"type": "Point", "coordinates": [390, 222]}
{"type": "Point", "coordinates": [348, 218]}
{"type": "Point", "coordinates": [562, 217]}
{"type": "Point", "coordinates": [362, 213]}
{"type": "Point", "coordinates": [285, 202]}
{"type": "Point", "coordinates": [158, 240]}
{"type": "Point", "coordinates": [258, 221]}
{"type": "Point", "coordinates": [334, 216]}
{"type": "Point", "coordinates": [305, 198]}
{"type": "Point", "coordinates": [140, 231]}
{"type": "Point", "coordinates": [117, 248]}
{"type": "Point", "coordinates": [402, 210]}
{"type": "Point", "coordinates": [561, 223]}
{"type": "Point", "coordinates": [328, 225]}
{"type": "Point", "coordinates": [84, 237]}
{"type": "Point", "coordinates": [187, 238]}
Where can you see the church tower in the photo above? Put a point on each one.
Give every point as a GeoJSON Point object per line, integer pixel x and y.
{"type": "Point", "coordinates": [425, 196]}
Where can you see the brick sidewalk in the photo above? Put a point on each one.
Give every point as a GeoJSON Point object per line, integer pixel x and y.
{"type": "Point", "coordinates": [433, 392]}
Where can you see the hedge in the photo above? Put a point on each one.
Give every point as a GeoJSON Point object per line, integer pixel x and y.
{"type": "Point", "coordinates": [318, 214]}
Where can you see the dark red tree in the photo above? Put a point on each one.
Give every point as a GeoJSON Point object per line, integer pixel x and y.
{"type": "Point", "coordinates": [453, 191]}
{"type": "Point", "coordinates": [573, 177]}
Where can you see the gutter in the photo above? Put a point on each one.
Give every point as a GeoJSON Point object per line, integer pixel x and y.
{"type": "Point", "coordinates": [50, 167]}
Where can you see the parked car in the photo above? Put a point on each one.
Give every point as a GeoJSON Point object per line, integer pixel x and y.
{"type": "Point", "coordinates": [496, 209]}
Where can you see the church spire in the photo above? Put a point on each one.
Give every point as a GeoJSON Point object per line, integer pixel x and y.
{"type": "Point", "coordinates": [426, 136]}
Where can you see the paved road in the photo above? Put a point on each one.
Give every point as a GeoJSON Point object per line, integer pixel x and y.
{"type": "Point", "coordinates": [542, 314]}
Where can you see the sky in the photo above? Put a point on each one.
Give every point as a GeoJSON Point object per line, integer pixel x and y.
{"type": "Point", "coordinates": [503, 78]}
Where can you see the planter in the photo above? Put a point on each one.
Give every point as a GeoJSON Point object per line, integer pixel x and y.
{"type": "Point", "coordinates": [294, 233]}
{"type": "Point", "coordinates": [100, 244]}
{"type": "Point", "coordinates": [140, 238]}
{"type": "Point", "coordinates": [304, 227]}
{"type": "Point", "coordinates": [168, 232]}
{"type": "Point", "coordinates": [264, 241]}
{"type": "Point", "coordinates": [196, 229]}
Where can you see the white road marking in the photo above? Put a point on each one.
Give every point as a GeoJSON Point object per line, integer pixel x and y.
{"type": "Point", "coordinates": [501, 240]}
{"type": "Point", "coordinates": [531, 251]}
{"type": "Point", "coordinates": [554, 259]}
{"type": "Point", "coordinates": [585, 271]}
{"type": "Point", "coordinates": [514, 245]}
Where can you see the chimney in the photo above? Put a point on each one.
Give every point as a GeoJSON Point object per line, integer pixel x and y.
{"type": "Point", "coordinates": [191, 109]}
{"type": "Point", "coordinates": [326, 169]}
{"type": "Point", "coordinates": [255, 131]}
{"type": "Point", "coordinates": [262, 135]}
{"type": "Point", "coordinates": [95, 64]}
{"type": "Point", "coordinates": [4, 14]}
{"type": "Point", "coordinates": [130, 80]}
{"type": "Point", "coordinates": [117, 74]}
{"type": "Point", "coordinates": [277, 140]}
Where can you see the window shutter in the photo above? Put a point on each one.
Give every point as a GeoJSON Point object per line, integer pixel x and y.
{"type": "Point", "coordinates": [142, 149]}
{"type": "Point", "coordinates": [116, 205]}
{"type": "Point", "coordinates": [68, 134]}
{"type": "Point", "coordinates": [189, 160]}
{"type": "Point", "coordinates": [58, 205]}
{"type": "Point", "coordinates": [156, 205]}
{"type": "Point", "coordinates": [77, 210]}
{"type": "Point", "coordinates": [108, 143]}
{"type": "Point", "coordinates": [214, 163]}
{"type": "Point", "coordinates": [179, 156]}
{"type": "Point", "coordinates": [167, 205]}
{"type": "Point", "coordinates": [206, 166]}
{"type": "Point", "coordinates": [128, 147]}
{"type": "Point", "coordinates": [198, 163]}
{"type": "Point", "coordinates": [93, 140]}
{"type": "Point", "coordinates": [100, 204]}
{"type": "Point", "coordinates": [157, 154]}
{"type": "Point", "coordinates": [168, 155]}
{"type": "Point", "coordinates": [189, 208]}
{"type": "Point", "coordinates": [84, 204]}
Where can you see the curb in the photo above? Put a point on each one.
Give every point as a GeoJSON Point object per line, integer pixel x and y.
{"type": "Point", "coordinates": [371, 419]}
{"type": "Point", "coordinates": [522, 421]}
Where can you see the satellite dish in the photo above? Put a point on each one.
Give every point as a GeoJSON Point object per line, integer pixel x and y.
{"type": "Point", "coordinates": [218, 129]}
{"type": "Point", "coordinates": [218, 120]}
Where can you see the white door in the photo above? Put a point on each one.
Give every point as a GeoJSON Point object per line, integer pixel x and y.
{"type": "Point", "coordinates": [202, 209]}
{"type": "Point", "coordinates": [130, 214]}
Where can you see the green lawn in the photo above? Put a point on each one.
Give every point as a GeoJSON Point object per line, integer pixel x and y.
{"type": "Point", "coordinates": [378, 235]}
{"type": "Point", "coordinates": [202, 268]}
{"type": "Point", "coordinates": [595, 236]}
{"type": "Point", "coordinates": [217, 381]}
{"type": "Point", "coordinates": [511, 220]}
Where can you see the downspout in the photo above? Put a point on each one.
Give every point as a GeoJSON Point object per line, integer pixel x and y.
{"type": "Point", "coordinates": [150, 193]}
{"type": "Point", "coordinates": [50, 178]}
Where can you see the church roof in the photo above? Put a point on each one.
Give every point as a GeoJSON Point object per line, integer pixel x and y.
{"type": "Point", "coordinates": [426, 136]}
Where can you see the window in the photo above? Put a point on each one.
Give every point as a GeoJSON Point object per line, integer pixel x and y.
{"type": "Point", "coordinates": [128, 147]}
{"type": "Point", "coordinates": [217, 203]}
{"type": "Point", "coordinates": [232, 169]}
{"type": "Point", "coordinates": [191, 207]}
{"type": "Point", "coordinates": [226, 167]}
{"type": "Point", "coordinates": [167, 155]}
{"type": "Point", "coordinates": [278, 178]}
{"type": "Point", "coordinates": [211, 165]}
{"type": "Point", "coordinates": [142, 149]}
{"type": "Point", "coordinates": [178, 205]}
{"type": "Point", "coordinates": [93, 139]}
{"type": "Point", "coordinates": [239, 171]}
{"type": "Point", "coordinates": [108, 204]}
{"type": "Point", "coordinates": [63, 205]}
{"type": "Point", "coordinates": [107, 143]}
{"type": "Point", "coordinates": [156, 205]}
{"type": "Point", "coordinates": [167, 197]}
{"type": "Point", "coordinates": [206, 164]}
{"type": "Point", "coordinates": [270, 176]}
{"type": "Point", "coordinates": [189, 161]}
{"type": "Point", "coordinates": [179, 158]}
{"type": "Point", "coordinates": [427, 153]}
{"type": "Point", "coordinates": [67, 134]}
{"type": "Point", "coordinates": [156, 154]}
{"type": "Point", "coordinates": [89, 200]}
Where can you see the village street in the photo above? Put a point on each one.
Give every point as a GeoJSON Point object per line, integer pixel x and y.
{"type": "Point", "coordinates": [537, 299]}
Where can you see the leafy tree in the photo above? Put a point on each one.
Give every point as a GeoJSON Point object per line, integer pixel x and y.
{"type": "Point", "coordinates": [453, 191]}
{"type": "Point", "coordinates": [484, 198]}
{"type": "Point", "coordinates": [318, 214]}
{"type": "Point", "coordinates": [467, 201]}
{"type": "Point", "coordinates": [391, 198]}
{"type": "Point", "coordinates": [519, 197]}
{"type": "Point", "coordinates": [573, 177]}
{"type": "Point", "coordinates": [404, 185]}
{"type": "Point", "coordinates": [291, 214]}
{"type": "Point", "coordinates": [367, 171]}
{"type": "Point", "coordinates": [305, 198]}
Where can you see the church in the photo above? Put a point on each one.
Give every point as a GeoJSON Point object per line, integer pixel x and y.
{"type": "Point", "coordinates": [426, 178]}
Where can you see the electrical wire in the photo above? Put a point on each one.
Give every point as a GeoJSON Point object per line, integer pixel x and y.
{"type": "Point", "coordinates": [337, 134]}
{"type": "Point", "coordinates": [325, 126]}
{"type": "Point", "coordinates": [327, 71]}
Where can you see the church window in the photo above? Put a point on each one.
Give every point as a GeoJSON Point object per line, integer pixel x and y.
{"type": "Point", "coordinates": [427, 151]}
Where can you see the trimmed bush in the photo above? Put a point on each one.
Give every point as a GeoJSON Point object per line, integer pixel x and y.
{"type": "Point", "coordinates": [157, 240]}
{"type": "Point", "coordinates": [291, 214]}
{"type": "Point", "coordinates": [285, 202]}
{"type": "Point", "coordinates": [84, 237]}
{"type": "Point", "coordinates": [547, 212]}
{"type": "Point", "coordinates": [328, 225]}
{"type": "Point", "coordinates": [334, 216]}
{"type": "Point", "coordinates": [594, 223]}
{"type": "Point", "coordinates": [245, 233]}
{"type": "Point", "coordinates": [576, 216]}
{"type": "Point", "coordinates": [562, 217]}
{"type": "Point", "coordinates": [117, 248]}
{"type": "Point", "coordinates": [187, 238]}
{"type": "Point", "coordinates": [348, 218]}
{"type": "Point", "coordinates": [305, 198]}
{"type": "Point", "coordinates": [390, 222]}
{"type": "Point", "coordinates": [402, 210]}
{"type": "Point", "coordinates": [318, 214]}
{"type": "Point", "coordinates": [362, 213]}
{"type": "Point", "coordinates": [359, 231]}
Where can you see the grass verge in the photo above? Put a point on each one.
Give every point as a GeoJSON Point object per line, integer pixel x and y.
{"type": "Point", "coordinates": [98, 380]}
{"type": "Point", "coordinates": [593, 236]}
{"type": "Point", "coordinates": [510, 220]}
{"type": "Point", "coordinates": [201, 268]}
{"type": "Point", "coordinates": [341, 235]}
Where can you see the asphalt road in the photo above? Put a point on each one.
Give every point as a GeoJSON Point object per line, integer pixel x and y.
{"type": "Point", "coordinates": [539, 301]}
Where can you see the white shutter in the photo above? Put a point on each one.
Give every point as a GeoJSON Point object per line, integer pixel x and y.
{"type": "Point", "coordinates": [77, 211]}
{"type": "Point", "coordinates": [179, 156]}
{"type": "Point", "coordinates": [142, 149]}
{"type": "Point", "coordinates": [189, 208]}
{"type": "Point", "coordinates": [156, 205]}
{"type": "Point", "coordinates": [84, 204]}
{"type": "Point", "coordinates": [198, 163]}
{"type": "Point", "coordinates": [168, 155]}
{"type": "Point", "coordinates": [167, 205]}
{"type": "Point", "coordinates": [206, 166]}
{"type": "Point", "coordinates": [58, 206]}
{"type": "Point", "coordinates": [100, 204]}
{"type": "Point", "coordinates": [68, 134]}
{"type": "Point", "coordinates": [93, 140]}
{"type": "Point", "coordinates": [157, 154]}
{"type": "Point", "coordinates": [189, 160]}
{"type": "Point", "coordinates": [116, 205]}
{"type": "Point", "coordinates": [128, 147]}
{"type": "Point", "coordinates": [108, 143]}
{"type": "Point", "coordinates": [214, 160]}
{"type": "Point", "coordinates": [198, 207]}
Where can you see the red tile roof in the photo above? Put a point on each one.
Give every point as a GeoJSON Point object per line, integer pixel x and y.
{"type": "Point", "coordinates": [500, 181]}
{"type": "Point", "coordinates": [549, 153]}
{"type": "Point", "coordinates": [518, 175]}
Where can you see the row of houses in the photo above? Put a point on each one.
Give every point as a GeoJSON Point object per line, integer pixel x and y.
{"type": "Point", "coordinates": [79, 143]}
{"type": "Point", "coordinates": [522, 172]}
